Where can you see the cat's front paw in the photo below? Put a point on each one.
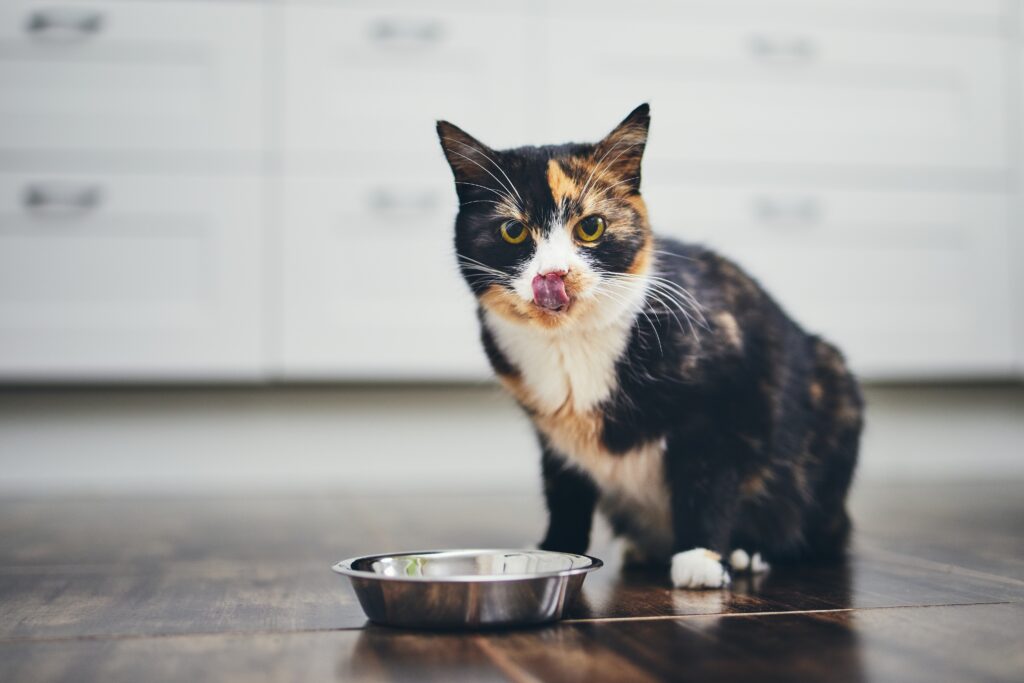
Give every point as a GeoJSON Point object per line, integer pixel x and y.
{"type": "Point", "coordinates": [699, 568]}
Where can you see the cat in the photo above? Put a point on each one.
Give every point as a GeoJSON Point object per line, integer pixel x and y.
{"type": "Point", "coordinates": [667, 389]}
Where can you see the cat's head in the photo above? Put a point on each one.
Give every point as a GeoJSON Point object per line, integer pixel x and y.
{"type": "Point", "coordinates": [555, 236]}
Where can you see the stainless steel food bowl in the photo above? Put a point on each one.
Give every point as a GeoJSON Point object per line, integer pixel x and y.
{"type": "Point", "coordinates": [467, 588]}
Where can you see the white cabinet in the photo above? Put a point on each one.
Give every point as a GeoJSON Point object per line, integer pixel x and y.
{"type": "Point", "coordinates": [254, 189]}
{"type": "Point", "coordinates": [752, 88]}
{"type": "Point", "coordinates": [364, 83]}
{"type": "Point", "coordinates": [123, 277]}
{"type": "Point", "coordinates": [910, 284]}
{"type": "Point", "coordinates": [131, 76]}
{"type": "Point", "coordinates": [371, 285]}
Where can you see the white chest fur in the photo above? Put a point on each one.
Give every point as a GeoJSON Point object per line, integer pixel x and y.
{"type": "Point", "coordinates": [563, 367]}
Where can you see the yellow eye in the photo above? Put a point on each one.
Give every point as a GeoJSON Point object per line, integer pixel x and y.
{"type": "Point", "coordinates": [513, 232]}
{"type": "Point", "coordinates": [590, 228]}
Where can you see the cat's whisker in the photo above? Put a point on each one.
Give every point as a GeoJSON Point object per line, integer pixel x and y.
{"type": "Point", "coordinates": [612, 162]}
{"type": "Point", "coordinates": [677, 291]}
{"type": "Point", "coordinates": [672, 253]}
{"type": "Point", "coordinates": [493, 162]}
{"type": "Point", "coordinates": [507, 197]}
{"type": "Point", "coordinates": [609, 188]}
{"type": "Point", "coordinates": [651, 293]}
{"type": "Point", "coordinates": [484, 169]}
{"type": "Point", "coordinates": [671, 301]}
{"type": "Point", "coordinates": [597, 166]}
{"type": "Point", "coordinates": [490, 271]}
{"type": "Point", "coordinates": [482, 201]}
{"type": "Point", "coordinates": [625, 302]}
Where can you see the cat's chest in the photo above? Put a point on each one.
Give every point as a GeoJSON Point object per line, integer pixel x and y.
{"type": "Point", "coordinates": [564, 381]}
{"type": "Point", "coordinates": [562, 371]}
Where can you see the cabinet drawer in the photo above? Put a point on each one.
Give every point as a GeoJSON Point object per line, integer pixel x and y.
{"type": "Point", "coordinates": [111, 277]}
{"type": "Point", "coordinates": [367, 82]}
{"type": "Point", "coordinates": [737, 90]}
{"type": "Point", "coordinates": [954, 16]}
{"type": "Point", "coordinates": [370, 281]}
{"type": "Point", "coordinates": [909, 284]}
{"type": "Point", "coordinates": [118, 76]}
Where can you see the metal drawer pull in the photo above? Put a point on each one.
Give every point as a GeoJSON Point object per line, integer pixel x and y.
{"type": "Point", "coordinates": [66, 23]}
{"type": "Point", "coordinates": [386, 201]}
{"type": "Point", "coordinates": [393, 31]}
{"type": "Point", "coordinates": [783, 50]}
{"type": "Point", "coordinates": [806, 211]}
{"type": "Point", "coordinates": [62, 197]}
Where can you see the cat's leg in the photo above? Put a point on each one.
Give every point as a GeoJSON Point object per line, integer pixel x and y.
{"type": "Point", "coordinates": [571, 497]}
{"type": "Point", "coordinates": [704, 489]}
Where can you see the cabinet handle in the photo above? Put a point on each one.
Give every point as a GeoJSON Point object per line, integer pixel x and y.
{"type": "Point", "coordinates": [383, 200]}
{"type": "Point", "coordinates": [62, 197]}
{"type": "Point", "coordinates": [804, 211]}
{"type": "Point", "coordinates": [396, 31]}
{"type": "Point", "coordinates": [800, 49]}
{"type": "Point", "coordinates": [68, 23]}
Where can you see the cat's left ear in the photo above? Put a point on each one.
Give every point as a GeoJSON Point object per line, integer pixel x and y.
{"type": "Point", "coordinates": [468, 157]}
{"type": "Point", "coordinates": [622, 150]}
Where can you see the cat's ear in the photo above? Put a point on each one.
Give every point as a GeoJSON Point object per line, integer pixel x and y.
{"type": "Point", "coordinates": [622, 150]}
{"type": "Point", "coordinates": [468, 157]}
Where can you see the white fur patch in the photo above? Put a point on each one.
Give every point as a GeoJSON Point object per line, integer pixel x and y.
{"type": "Point", "coordinates": [698, 568]}
{"type": "Point", "coordinates": [741, 561]}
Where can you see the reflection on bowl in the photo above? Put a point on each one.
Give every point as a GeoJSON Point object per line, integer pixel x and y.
{"type": "Point", "coordinates": [467, 588]}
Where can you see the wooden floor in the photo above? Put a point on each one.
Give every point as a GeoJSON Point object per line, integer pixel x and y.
{"type": "Point", "coordinates": [239, 589]}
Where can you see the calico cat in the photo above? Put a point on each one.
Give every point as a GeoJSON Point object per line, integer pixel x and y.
{"type": "Point", "coordinates": [666, 387]}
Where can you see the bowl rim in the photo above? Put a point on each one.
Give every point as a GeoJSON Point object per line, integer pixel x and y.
{"type": "Point", "coordinates": [344, 567]}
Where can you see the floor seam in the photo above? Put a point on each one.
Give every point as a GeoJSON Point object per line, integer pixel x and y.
{"type": "Point", "coordinates": [595, 620]}
{"type": "Point", "coordinates": [775, 613]}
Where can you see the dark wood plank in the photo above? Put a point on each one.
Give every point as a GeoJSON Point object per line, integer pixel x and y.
{"type": "Point", "coordinates": [129, 567]}
{"type": "Point", "coordinates": [958, 526]}
{"type": "Point", "coordinates": [937, 644]}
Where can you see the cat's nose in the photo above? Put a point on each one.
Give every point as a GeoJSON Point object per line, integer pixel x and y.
{"type": "Point", "coordinates": [549, 290]}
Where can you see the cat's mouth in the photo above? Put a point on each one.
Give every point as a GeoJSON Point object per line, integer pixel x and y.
{"type": "Point", "coordinates": [549, 292]}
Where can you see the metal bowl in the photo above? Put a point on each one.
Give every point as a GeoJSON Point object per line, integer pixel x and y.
{"type": "Point", "coordinates": [467, 588]}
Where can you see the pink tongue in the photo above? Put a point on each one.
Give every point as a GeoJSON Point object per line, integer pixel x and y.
{"type": "Point", "coordinates": [549, 291]}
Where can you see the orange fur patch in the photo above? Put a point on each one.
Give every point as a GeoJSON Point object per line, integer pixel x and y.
{"type": "Point", "coordinates": [642, 261]}
{"type": "Point", "coordinates": [561, 185]}
{"type": "Point", "coordinates": [730, 329]}
{"type": "Point", "coordinates": [755, 485]}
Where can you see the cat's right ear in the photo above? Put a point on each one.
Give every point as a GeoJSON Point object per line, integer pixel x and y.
{"type": "Point", "coordinates": [468, 157]}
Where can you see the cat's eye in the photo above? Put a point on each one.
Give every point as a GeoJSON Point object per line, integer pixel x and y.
{"type": "Point", "coordinates": [590, 228]}
{"type": "Point", "coordinates": [513, 232]}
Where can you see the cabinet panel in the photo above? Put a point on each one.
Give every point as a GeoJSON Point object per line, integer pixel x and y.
{"type": "Point", "coordinates": [909, 284]}
{"type": "Point", "coordinates": [362, 82]}
{"type": "Point", "coordinates": [370, 280]}
{"type": "Point", "coordinates": [736, 90]}
{"type": "Point", "coordinates": [121, 278]}
{"type": "Point", "coordinates": [149, 76]}
{"type": "Point", "coordinates": [954, 16]}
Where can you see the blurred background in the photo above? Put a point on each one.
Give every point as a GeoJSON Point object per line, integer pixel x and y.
{"type": "Point", "coordinates": [225, 225]}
